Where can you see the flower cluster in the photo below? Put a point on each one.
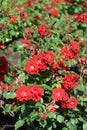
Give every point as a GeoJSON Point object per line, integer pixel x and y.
{"type": "Point", "coordinates": [69, 81]}
{"type": "Point", "coordinates": [70, 104]}
{"type": "Point", "coordinates": [62, 99]}
{"type": "Point", "coordinates": [39, 62]}
{"type": "Point", "coordinates": [12, 19]}
{"type": "Point", "coordinates": [82, 18]}
{"type": "Point", "coordinates": [70, 50]}
{"type": "Point", "coordinates": [60, 95]}
{"type": "Point", "coordinates": [58, 66]}
{"type": "Point", "coordinates": [27, 93]}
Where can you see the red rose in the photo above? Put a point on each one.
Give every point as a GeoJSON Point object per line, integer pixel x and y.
{"type": "Point", "coordinates": [69, 82]}
{"type": "Point", "coordinates": [82, 18]}
{"type": "Point", "coordinates": [26, 42]}
{"type": "Point", "coordinates": [61, 65]}
{"type": "Point", "coordinates": [43, 30]}
{"type": "Point", "coordinates": [74, 47]}
{"type": "Point", "coordinates": [31, 3]}
{"type": "Point", "coordinates": [75, 16]}
{"type": "Point", "coordinates": [40, 62]}
{"type": "Point", "coordinates": [36, 92]}
{"type": "Point", "coordinates": [70, 50]}
{"type": "Point", "coordinates": [58, 66]}
{"type": "Point", "coordinates": [70, 104]}
{"type": "Point", "coordinates": [12, 19]}
{"type": "Point", "coordinates": [3, 87]}
{"type": "Point", "coordinates": [59, 95]}
{"type": "Point", "coordinates": [66, 53]}
{"type": "Point", "coordinates": [22, 94]}
{"type": "Point", "coordinates": [26, 93]}
{"type": "Point", "coordinates": [31, 67]}
{"type": "Point", "coordinates": [54, 13]}
{"type": "Point", "coordinates": [54, 67]}
{"type": "Point", "coordinates": [48, 57]}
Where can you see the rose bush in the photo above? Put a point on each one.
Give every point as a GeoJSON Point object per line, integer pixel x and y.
{"type": "Point", "coordinates": [43, 64]}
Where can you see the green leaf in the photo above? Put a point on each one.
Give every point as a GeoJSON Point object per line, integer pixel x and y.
{"type": "Point", "coordinates": [86, 110]}
{"type": "Point", "coordinates": [23, 108]}
{"type": "Point", "coordinates": [54, 125]}
{"type": "Point", "coordinates": [85, 126]}
{"type": "Point", "coordinates": [71, 126]}
{"type": "Point", "coordinates": [73, 121]}
{"type": "Point", "coordinates": [19, 124]}
{"type": "Point", "coordinates": [81, 88]}
{"type": "Point", "coordinates": [43, 123]}
{"type": "Point", "coordinates": [7, 108]}
{"type": "Point", "coordinates": [14, 88]}
{"type": "Point", "coordinates": [51, 115]}
{"type": "Point", "coordinates": [12, 32]}
{"type": "Point", "coordinates": [16, 108]}
{"type": "Point", "coordinates": [64, 128]}
{"type": "Point", "coordinates": [60, 118]}
{"type": "Point", "coordinates": [49, 128]}
{"type": "Point", "coordinates": [9, 95]}
{"type": "Point", "coordinates": [81, 119]}
{"type": "Point", "coordinates": [85, 99]}
{"type": "Point", "coordinates": [0, 93]}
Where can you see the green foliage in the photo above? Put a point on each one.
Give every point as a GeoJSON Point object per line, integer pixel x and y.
{"type": "Point", "coordinates": [60, 118]}
{"type": "Point", "coordinates": [9, 95]}
{"type": "Point", "coordinates": [19, 20]}
{"type": "Point", "coordinates": [19, 124]}
{"type": "Point", "coordinates": [84, 125]}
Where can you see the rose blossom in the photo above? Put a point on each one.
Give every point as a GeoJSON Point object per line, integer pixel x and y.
{"type": "Point", "coordinates": [31, 67]}
{"type": "Point", "coordinates": [27, 93]}
{"type": "Point", "coordinates": [54, 13]}
{"type": "Point", "coordinates": [43, 30]}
